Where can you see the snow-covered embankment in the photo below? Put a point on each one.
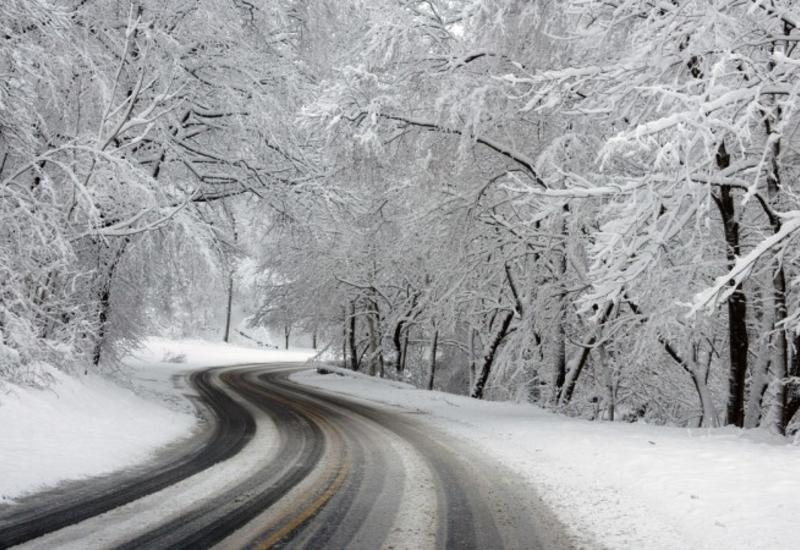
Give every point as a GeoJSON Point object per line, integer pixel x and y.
{"type": "Point", "coordinates": [617, 485]}
{"type": "Point", "coordinates": [83, 426]}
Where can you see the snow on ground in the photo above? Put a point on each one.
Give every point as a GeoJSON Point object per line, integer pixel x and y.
{"type": "Point", "coordinates": [83, 426]}
{"type": "Point", "coordinates": [617, 485]}
{"type": "Point", "coordinates": [202, 353]}
{"type": "Point", "coordinates": [79, 426]}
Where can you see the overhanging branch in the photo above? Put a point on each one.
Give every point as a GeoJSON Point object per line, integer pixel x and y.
{"type": "Point", "coordinates": [495, 146]}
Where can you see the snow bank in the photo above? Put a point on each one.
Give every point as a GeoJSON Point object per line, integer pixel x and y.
{"type": "Point", "coordinates": [85, 426]}
{"type": "Point", "coordinates": [201, 353]}
{"type": "Point", "coordinates": [78, 427]}
{"type": "Point", "coordinates": [620, 485]}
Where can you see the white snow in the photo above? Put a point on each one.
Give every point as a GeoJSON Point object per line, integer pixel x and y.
{"type": "Point", "coordinates": [617, 485]}
{"type": "Point", "coordinates": [613, 485]}
{"type": "Point", "coordinates": [83, 426]}
{"type": "Point", "coordinates": [202, 353]}
{"type": "Point", "coordinates": [79, 426]}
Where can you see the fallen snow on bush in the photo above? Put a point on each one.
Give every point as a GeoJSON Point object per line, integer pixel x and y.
{"type": "Point", "coordinates": [617, 485]}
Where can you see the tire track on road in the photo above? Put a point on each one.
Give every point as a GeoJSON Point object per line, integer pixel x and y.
{"type": "Point", "coordinates": [233, 426]}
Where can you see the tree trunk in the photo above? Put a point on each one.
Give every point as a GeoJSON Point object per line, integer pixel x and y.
{"type": "Point", "coordinates": [488, 360]}
{"type": "Point", "coordinates": [226, 336]}
{"type": "Point", "coordinates": [405, 351]}
{"type": "Point", "coordinates": [737, 303]}
{"type": "Point", "coordinates": [577, 367]}
{"type": "Point", "coordinates": [758, 387]}
{"type": "Point", "coordinates": [287, 331]}
{"type": "Point", "coordinates": [775, 418]}
{"type": "Point", "coordinates": [434, 346]}
{"type": "Point", "coordinates": [699, 376]}
{"type": "Point", "coordinates": [344, 338]}
{"type": "Point", "coordinates": [473, 336]}
{"type": "Point", "coordinates": [709, 418]}
{"type": "Point", "coordinates": [560, 366]}
{"type": "Point", "coordinates": [397, 340]}
{"type": "Point", "coordinates": [104, 303]}
{"type": "Point", "coordinates": [777, 391]}
{"type": "Point", "coordinates": [229, 261]}
{"type": "Point", "coordinates": [792, 391]}
{"type": "Point", "coordinates": [560, 335]}
{"type": "Point", "coordinates": [352, 338]}
{"type": "Point", "coordinates": [375, 354]}
{"type": "Point", "coordinates": [610, 381]}
{"type": "Point", "coordinates": [700, 383]}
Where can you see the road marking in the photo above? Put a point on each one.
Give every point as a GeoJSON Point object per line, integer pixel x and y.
{"type": "Point", "coordinates": [308, 512]}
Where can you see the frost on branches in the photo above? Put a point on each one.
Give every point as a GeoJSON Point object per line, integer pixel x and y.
{"type": "Point", "coordinates": [588, 205]}
{"type": "Point", "coordinates": [124, 128]}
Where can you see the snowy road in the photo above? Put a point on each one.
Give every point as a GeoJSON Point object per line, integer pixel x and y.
{"type": "Point", "coordinates": [285, 465]}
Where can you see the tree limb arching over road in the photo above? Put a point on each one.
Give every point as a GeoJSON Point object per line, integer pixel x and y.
{"type": "Point", "coordinates": [287, 466]}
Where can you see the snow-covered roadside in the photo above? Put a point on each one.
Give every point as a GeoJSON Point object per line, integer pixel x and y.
{"type": "Point", "coordinates": [78, 427]}
{"type": "Point", "coordinates": [618, 485]}
{"type": "Point", "coordinates": [84, 426]}
{"type": "Point", "coordinates": [191, 353]}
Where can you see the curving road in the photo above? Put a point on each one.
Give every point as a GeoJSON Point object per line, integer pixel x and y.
{"type": "Point", "coordinates": [286, 466]}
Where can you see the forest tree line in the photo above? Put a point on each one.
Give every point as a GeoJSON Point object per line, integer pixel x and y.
{"type": "Point", "coordinates": [591, 205]}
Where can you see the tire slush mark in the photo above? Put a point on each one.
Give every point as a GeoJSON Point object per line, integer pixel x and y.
{"type": "Point", "coordinates": [340, 525]}
{"type": "Point", "coordinates": [233, 427]}
{"type": "Point", "coordinates": [353, 505]}
{"type": "Point", "coordinates": [308, 513]}
{"type": "Point", "coordinates": [459, 530]}
{"type": "Point", "coordinates": [341, 522]}
{"type": "Point", "coordinates": [305, 453]}
{"type": "Point", "coordinates": [287, 526]}
{"type": "Point", "coordinates": [352, 454]}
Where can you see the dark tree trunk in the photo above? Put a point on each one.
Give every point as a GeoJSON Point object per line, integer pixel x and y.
{"type": "Point", "coordinates": [777, 415]}
{"type": "Point", "coordinates": [791, 408]}
{"type": "Point", "coordinates": [568, 383]}
{"type": "Point", "coordinates": [287, 331]}
{"type": "Point", "coordinates": [560, 336]}
{"type": "Point", "coordinates": [491, 354]}
{"type": "Point", "coordinates": [102, 320]}
{"type": "Point", "coordinates": [235, 232]}
{"type": "Point", "coordinates": [792, 391]}
{"type": "Point", "coordinates": [434, 349]}
{"type": "Point", "coordinates": [344, 338]}
{"type": "Point", "coordinates": [397, 340]}
{"type": "Point", "coordinates": [104, 303]}
{"type": "Point", "coordinates": [776, 418]}
{"type": "Point", "coordinates": [405, 351]}
{"type": "Point", "coordinates": [400, 336]}
{"type": "Point", "coordinates": [575, 372]}
{"type": "Point", "coordinates": [375, 363]}
{"type": "Point", "coordinates": [227, 334]}
{"type": "Point", "coordinates": [352, 338]}
{"type": "Point", "coordinates": [737, 303]}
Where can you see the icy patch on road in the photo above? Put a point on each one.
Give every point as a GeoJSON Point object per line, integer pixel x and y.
{"type": "Point", "coordinates": [616, 485]}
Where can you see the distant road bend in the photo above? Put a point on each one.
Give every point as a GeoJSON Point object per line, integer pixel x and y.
{"type": "Point", "coordinates": [286, 466]}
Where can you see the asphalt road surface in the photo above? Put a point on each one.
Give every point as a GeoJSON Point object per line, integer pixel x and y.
{"type": "Point", "coordinates": [280, 465]}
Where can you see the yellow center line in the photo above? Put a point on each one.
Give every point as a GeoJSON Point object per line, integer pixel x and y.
{"type": "Point", "coordinates": [308, 512]}
{"type": "Point", "coordinates": [311, 509]}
